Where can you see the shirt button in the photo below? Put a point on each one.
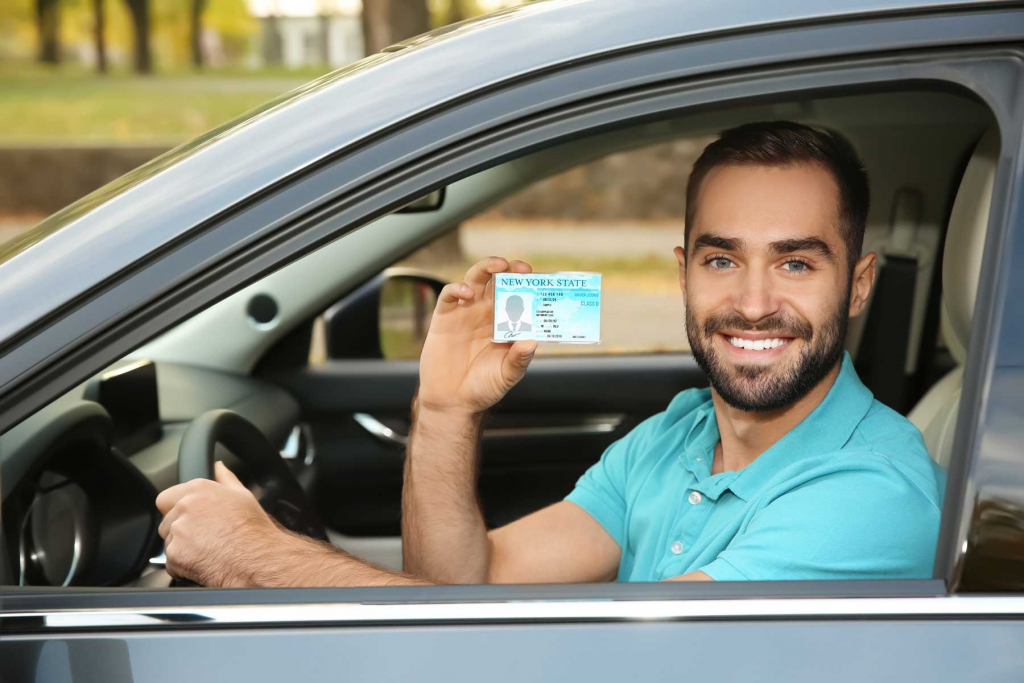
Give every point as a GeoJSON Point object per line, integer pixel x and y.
{"type": "Point", "coordinates": [676, 547]}
{"type": "Point", "coordinates": [694, 497]}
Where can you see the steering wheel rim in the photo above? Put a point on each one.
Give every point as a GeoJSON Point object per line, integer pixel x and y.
{"type": "Point", "coordinates": [281, 495]}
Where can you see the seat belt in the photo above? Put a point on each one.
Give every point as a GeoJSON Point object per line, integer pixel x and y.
{"type": "Point", "coordinates": [882, 356]}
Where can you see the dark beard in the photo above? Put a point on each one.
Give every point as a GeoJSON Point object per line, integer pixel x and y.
{"type": "Point", "coordinates": [765, 389]}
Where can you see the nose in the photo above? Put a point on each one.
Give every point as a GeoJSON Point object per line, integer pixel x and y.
{"type": "Point", "coordinates": [755, 299]}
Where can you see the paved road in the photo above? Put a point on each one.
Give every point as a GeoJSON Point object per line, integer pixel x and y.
{"type": "Point", "coordinates": [611, 240]}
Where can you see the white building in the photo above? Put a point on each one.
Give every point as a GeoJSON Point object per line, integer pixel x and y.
{"type": "Point", "coordinates": [297, 33]}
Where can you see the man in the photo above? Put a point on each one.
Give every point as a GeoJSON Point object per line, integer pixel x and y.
{"type": "Point", "coordinates": [785, 468]}
{"type": "Point", "coordinates": [514, 310]}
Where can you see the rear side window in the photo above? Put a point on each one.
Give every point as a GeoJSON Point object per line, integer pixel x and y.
{"type": "Point", "coordinates": [620, 215]}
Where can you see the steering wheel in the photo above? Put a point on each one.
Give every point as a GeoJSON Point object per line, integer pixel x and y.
{"type": "Point", "coordinates": [273, 483]}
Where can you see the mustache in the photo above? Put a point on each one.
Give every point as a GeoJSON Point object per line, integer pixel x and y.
{"type": "Point", "coordinates": [779, 323]}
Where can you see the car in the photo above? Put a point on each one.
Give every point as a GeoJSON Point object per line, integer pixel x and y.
{"type": "Point", "coordinates": [230, 300]}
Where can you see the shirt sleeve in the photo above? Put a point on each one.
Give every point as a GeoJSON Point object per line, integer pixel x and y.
{"type": "Point", "coordinates": [865, 522]}
{"type": "Point", "coordinates": [601, 491]}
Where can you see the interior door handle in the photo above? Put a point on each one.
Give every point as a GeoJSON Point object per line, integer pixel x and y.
{"type": "Point", "coordinates": [597, 424]}
{"type": "Point", "coordinates": [380, 430]}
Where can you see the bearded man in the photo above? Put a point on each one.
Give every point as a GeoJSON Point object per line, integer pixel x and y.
{"type": "Point", "coordinates": [785, 468]}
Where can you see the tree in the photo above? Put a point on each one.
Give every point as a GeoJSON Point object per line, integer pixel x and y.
{"type": "Point", "coordinates": [48, 24]}
{"type": "Point", "coordinates": [386, 22]}
{"type": "Point", "coordinates": [456, 12]}
{"type": "Point", "coordinates": [198, 8]}
{"type": "Point", "coordinates": [141, 26]}
{"type": "Point", "coordinates": [99, 13]}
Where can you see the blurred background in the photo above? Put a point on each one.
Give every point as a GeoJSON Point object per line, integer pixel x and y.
{"type": "Point", "coordinates": [90, 89]}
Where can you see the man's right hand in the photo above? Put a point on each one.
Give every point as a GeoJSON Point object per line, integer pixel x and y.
{"type": "Point", "coordinates": [444, 537]}
{"type": "Point", "coordinates": [462, 372]}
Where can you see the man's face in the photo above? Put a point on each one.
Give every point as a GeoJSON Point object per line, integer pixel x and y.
{"type": "Point", "coordinates": [766, 283]}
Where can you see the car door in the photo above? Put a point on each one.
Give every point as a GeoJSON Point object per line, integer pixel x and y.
{"type": "Point", "coordinates": [573, 403]}
{"type": "Point", "coordinates": [802, 631]}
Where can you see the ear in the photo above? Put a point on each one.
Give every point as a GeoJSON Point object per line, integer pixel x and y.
{"type": "Point", "coordinates": [681, 260]}
{"type": "Point", "coordinates": [863, 281]}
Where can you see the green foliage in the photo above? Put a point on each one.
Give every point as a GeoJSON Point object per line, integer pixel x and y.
{"type": "Point", "coordinates": [72, 105]}
{"type": "Point", "coordinates": [171, 29]}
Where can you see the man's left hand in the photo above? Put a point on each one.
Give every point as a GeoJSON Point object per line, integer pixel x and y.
{"type": "Point", "coordinates": [215, 532]}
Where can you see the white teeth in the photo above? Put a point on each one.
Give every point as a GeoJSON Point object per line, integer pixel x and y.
{"type": "Point", "coordinates": [758, 345]}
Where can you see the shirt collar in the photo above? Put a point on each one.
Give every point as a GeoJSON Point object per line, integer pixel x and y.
{"type": "Point", "coordinates": [829, 426]}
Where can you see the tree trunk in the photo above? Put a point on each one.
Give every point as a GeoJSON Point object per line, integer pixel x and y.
{"type": "Point", "coordinates": [196, 27]}
{"type": "Point", "coordinates": [325, 39]}
{"type": "Point", "coordinates": [48, 24]}
{"type": "Point", "coordinates": [386, 22]}
{"type": "Point", "coordinates": [141, 24]}
{"type": "Point", "coordinates": [273, 45]}
{"type": "Point", "coordinates": [99, 28]}
{"type": "Point", "coordinates": [455, 12]}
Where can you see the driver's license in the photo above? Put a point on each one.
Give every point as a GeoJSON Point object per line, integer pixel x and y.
{"type": "Point", "coordinates": [548, 307]}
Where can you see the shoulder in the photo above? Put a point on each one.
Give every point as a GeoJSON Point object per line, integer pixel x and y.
{"type": "Point", "coordinates": [891, 442]}
{"type": "Point", "coordinates": [659, 434]}
{"type": "Point", "coordinates": [882, 425]}
{"type": "Point", "coordinates": [686, 408]}
{"type": "Point", "coordinates": [855, 519]}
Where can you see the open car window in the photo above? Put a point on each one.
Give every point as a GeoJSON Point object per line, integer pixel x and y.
{"type": "Point", "coordinates": [338, 415]}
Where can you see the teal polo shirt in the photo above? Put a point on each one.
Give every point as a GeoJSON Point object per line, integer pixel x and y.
{"type": "Point", "coordinates": [849, 493]}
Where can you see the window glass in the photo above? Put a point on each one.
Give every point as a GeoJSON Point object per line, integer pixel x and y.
{"type": "Point", "coordinates": [620, 215]}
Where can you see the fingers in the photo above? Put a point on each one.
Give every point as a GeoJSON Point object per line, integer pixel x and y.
{"type": "Point", "coordinates": [519, 267]}
{"type": "Point", "coordinates": [480, 273]}
{"type": "Point", "coordinates": [452, 294]}
{"type": "Point", "coordinates": [514, 365]}
{"type": "Point", "coordinates": [477, 279]}
{"type": "Point", "coordinates": [225, 476]}
{"type": "Point", "coordinates": [165, 526]}
{"type": "Point", "coordinates": [170, 497]}
{"type": "Point", "coordinates": [513, 267]}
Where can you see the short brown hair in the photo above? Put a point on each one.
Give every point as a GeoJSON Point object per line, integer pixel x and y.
{"type": "Point", "coordinates": [783, 143]}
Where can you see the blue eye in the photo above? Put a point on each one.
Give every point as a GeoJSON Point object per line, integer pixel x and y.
{"type": "Point", "coordinates": [720, 263]}
{"type": "Point", "coordinates": [796, 266]}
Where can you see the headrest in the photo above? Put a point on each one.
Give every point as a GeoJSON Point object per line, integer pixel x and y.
{"type": "Point", "coordinates": [965, 241]}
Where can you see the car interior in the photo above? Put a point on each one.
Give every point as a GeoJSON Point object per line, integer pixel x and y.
{"type": "Point", "coordinates": [301, 357]}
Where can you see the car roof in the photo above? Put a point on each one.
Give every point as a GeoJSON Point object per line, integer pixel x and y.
{"type": "Point", "coordinates": [163, 200]}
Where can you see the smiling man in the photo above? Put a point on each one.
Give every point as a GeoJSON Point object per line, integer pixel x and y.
{"type": "Point", "coordinates": [785, 468]}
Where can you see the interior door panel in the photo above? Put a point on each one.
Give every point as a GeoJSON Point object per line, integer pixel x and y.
{"type": "Point", "coordinates": [538, 441]}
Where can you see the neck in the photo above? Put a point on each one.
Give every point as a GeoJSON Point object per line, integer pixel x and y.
{"type": "Point", "coordinates": [743, 436]}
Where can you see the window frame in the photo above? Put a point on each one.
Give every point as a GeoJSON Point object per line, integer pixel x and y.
{"type": "Point", "coordinates": [245, 259]}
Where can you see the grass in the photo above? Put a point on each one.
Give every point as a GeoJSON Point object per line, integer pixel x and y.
{"type": "Point", "coordinates": [73, 106]}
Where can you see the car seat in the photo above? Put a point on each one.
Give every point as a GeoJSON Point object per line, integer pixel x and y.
{"type": "Point", "coordinates": [935, 414]}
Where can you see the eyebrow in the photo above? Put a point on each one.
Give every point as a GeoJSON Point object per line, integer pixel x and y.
{"type": "Point", "coordinates": [791, 246]}
{"type": "Point", "coordinates": [716, 242]}
{"type": "Point", "coordinates": [811, 244]}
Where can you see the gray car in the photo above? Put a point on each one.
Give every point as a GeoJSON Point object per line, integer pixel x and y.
{"type": "Point", "coordinates": [227, 301]}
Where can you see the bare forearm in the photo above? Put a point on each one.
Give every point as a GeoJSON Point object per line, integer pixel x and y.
{"type": "Point", "coordinates": [300, 562]}
{"type": "Point", "coordinates": [443, 532]}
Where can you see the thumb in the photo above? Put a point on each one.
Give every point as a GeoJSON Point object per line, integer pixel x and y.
{"type": "Point", "coordinates": [225, 476]}
{"type": "Point", "coordinates": [513, 367]}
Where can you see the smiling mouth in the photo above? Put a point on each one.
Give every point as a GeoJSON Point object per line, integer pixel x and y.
{"type": "Point", "coordinates": [763, 344]}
